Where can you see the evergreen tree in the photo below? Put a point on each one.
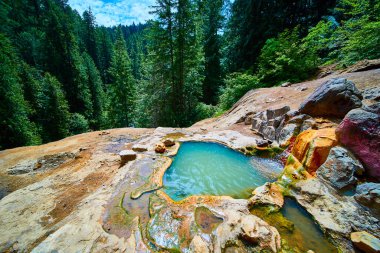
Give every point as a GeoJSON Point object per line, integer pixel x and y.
{"type": "Point", "coordinates": [212, 50]}
{"type": "Point", "coordinates": [56, 116]}
{"type": "Point", "coordinates": [122, 87]}
{"type": "Point", "coordinates": [90, 38]}
{"type": "Point", "coordinates": [97, 120]}
{"type": "Point", "coordinates": [105, 53]}
{"type": "Point", "coordinates": [65, 61]}
{"type": "Point", "coordinates": [15, 126]}
{"type": "Point", "coordinates": [252, 22]}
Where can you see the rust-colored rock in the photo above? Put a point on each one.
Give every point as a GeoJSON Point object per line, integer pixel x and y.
{"type": "Point", "coordinates": [169, 142]}
{"type": "Point", "coordinates": [160, 148]}
{"type": "Point", "coordinates": [312, 147]}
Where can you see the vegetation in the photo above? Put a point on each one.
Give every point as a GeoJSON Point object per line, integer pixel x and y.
{"type": "Point", "coordinates": [62, 74]}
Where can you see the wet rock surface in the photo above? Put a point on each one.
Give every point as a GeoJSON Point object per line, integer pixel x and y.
{"type": "Point", "coordinates": [224, 222]}
{"type": "Point", "coordinates": [337, 215]}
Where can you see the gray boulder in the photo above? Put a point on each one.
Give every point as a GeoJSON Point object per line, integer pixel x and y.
{"type": "Point", "coordinates": [266, 123]}
{"type": "Point", "coordinates": [368, 194]}
{"type": "Point", "coordinates": [336, 97]}
{"type": "Point", "coordinates": [340, 168]}
{"type": "Point", "coordinates": [372, 93]}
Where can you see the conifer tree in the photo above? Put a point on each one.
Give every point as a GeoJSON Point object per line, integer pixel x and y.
{"type": "Point", "coordinates": [56, 116]}
{"type": "Point", "coordinates": [15, 126]}
{"type": "Point", "coordinates": [97, 120]}
{"type": "Point", "coordinates": [122, 86]}
{"type": "Point", "coordinates": [212, 50]}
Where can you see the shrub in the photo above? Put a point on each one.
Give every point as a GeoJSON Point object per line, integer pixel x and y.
{"type": "Point", "coordinates": [237, 85]}
{"type": "Point", "coordinates": [204, 111]}
{"type": "Point", "coordinates": [78, 124]}
{"type": "Point", "coordinates": [285, 59]}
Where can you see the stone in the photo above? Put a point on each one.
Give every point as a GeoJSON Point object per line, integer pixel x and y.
{"type": "Point", "coordinates": [127, 156]}
{"type": "Point", "coordinates": [372, 93]}
{"type": "Point", "coordinates": [198, 245]}
{"type": "Point", "coordinates": [365, 242]}
{"type": "Point", "coordinates": [368, 194]}
{"type": "Point", "coordinates": [274, 113]}
{"type": "Point", "coordinates": [169, 143]}
{"type": "Point", "coordinates": [308, 124]}
{"type": "Point", "coordinates": [266, 123]}
{"type": "Point", "coordinates": [338, 215]}
{"type": "Point", "coordinates": [286, 134]}
{"type": "Point", "coordinates": [160, 148]}
{"type": "Point", "coordinates": [335, 98]}
{"type": "Point", "coordinates": [299, 119]}
{"type": "Point", "coordinates": [287, 84]}
{"type": "Point", "coordinates": [219, 221]}
{"type": "Point", "coordinates": [263, 143]}
{"type": "Point", "coordinates": [248, 120]}
{"type": "Point", "coordinates": [360, 133]}
{"type": "Point", "coordinates": [340, 168]}
{"type": "Point", "coordinates": [312, 147]}
{"type": "Point", "coordinates": [139, 148]}
{"type": "Point", "coordinates": [268, 194]}
{"type": "Point", "coordinates": [269, 133]}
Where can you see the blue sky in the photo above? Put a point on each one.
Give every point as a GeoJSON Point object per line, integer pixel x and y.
{"type": "Point", "coordinates": [114, 12]}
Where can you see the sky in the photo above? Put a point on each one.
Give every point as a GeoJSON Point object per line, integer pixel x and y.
{"type": "Point", "coordinates": [115, 12]}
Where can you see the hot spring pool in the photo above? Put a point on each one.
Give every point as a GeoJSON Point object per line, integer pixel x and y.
{"type": "Point", "coordinates": [202, 168]}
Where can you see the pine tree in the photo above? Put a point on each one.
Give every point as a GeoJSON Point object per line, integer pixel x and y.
{"type": "Point", "coordinates": [65, 61]}
{"type": "Point", "coordinates": [97, 93]}
{"type": "Point", "coordinates": [15, 126]}
{"type": "Point", "coordinates": [90, 38]}
{"type": "Point", "coordinates": [212, 50]}
{"type": "Point", "coordinates": [56, 116]}
{"type": "Point", "coordinates": [104, 53]}
{"type": "Point", "coordinates": [122, 86]}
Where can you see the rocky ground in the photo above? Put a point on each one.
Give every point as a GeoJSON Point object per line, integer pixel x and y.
{"type": "Point", "coordinates": [80, 195]}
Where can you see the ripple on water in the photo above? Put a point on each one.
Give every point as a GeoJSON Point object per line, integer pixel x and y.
{"type": "Point", "coordinates": [202, 168]}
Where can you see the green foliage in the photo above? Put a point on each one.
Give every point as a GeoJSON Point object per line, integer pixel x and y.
{"type": "Point", "coordinates": [122, 87]}
{"type": "Point", "coordinates": [98, 118]}
{"type": "Point", "coordinates": [285, 59]}
{"type": "Point", "coordinates": [205, 111]}
{"type": "Point", "coordinates": [78, 124]}
{"type": "Point", "coordinates": [55, 113]}
{"type": "Point", "coordinates": [213, 74]}
{"type": "Point", "coordinates": [15, 126]}
{"type": "Point", "coordinates": [322, 40]}
{"type": "Point", "coordinates": [237, 85]}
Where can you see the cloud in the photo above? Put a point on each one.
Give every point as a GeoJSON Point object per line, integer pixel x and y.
{"type": "Point", "coordinates": [114, 12]}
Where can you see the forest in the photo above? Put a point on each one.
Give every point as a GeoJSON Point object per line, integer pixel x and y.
{"type": "Point", "coordinates": [63, 74]}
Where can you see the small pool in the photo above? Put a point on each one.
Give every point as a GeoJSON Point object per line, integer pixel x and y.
{"type": "Point", "coordinates": [202, 168]}
{"type": "Point", "coordinates": [297, 227]}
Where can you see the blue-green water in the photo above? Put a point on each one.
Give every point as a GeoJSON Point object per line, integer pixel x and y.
{"type": "Point", "coordinates": [202, 168]}
{"type": "Point", "coordinates": [311, 236]}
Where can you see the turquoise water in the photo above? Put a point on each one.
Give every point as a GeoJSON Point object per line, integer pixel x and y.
{"type": "Point", "coordinates": [202, 168]}
{"type": "Point", "coordinates": [311, 236]}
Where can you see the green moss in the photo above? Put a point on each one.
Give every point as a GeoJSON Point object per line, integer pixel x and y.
{"type": "Point", "coordinates": [121, 203]}
{"type": "Point", "coordinates": [175, 136]}
{"type": "Point", "coordinates": [274, 218]}
{"type": "Point", "coordinates": [268, 152]}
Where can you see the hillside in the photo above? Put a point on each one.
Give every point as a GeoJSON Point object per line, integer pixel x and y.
{"type": "Point", "coordinates": [68, 195]}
